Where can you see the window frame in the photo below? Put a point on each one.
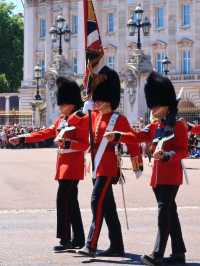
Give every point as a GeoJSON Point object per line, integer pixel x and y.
{"type": "Point", "coordinates": [109, 63]}
{"type": "Point", "coordinates": [43, 28]}
{"type": "Point", "coordinates": [74, 24]}
{"type": "Point", "coordinates": [75, 65]}
{"type": "Point", "coordinates": [185, 15]}
{"type": "Point", "coordinates": [186, 62]}
{"type": "Point", "coordinates": [159, 18]}
{"type": "Point", "coordinates": [158, 62]}
{"type": "Point", "coordinates": [110, 23]}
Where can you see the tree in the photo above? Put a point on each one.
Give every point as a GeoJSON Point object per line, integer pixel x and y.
{"type": "Point", "coordinates": [11, 46]}
{"type": "Point", "coordinates": [4, 86]}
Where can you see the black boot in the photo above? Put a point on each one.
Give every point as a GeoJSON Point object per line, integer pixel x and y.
{"type": "Point", "coordinates": [77, 244]}
{"type": "Point", "coordinates": [175, 259]}
{"type": "Point", "coordinates": [151, 260]}
{"type": "Point", "coordinates": [111, 252]}
{"type": "Point", "coordinates": [64, 245]}
{"type": "Point", "coordinates": [86, 251]}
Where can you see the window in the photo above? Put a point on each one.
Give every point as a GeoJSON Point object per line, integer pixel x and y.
{"type": "Point", "coordinates": [159, 17]}
{"type": "Point", "coordinates": [74, 24]}
{"type": "Point", "coordinates": [42, 65]}
{"type": "Point", "coordinates": [75, 65]}
{"type": "Point", "coordinates": [159, 64]}
{"type": "Point", "coordinates": [186, 15]}
{"type": "Point", "coordinates": [42, 28]}
{"type": "Point", "coordinates": [186, 62]}
{"type": "Point", "coordinates": [111, 62]}
{"type": "Point", "coordinates": [14, 103]}
{"type": "Point", "coordinates": [2, 103]}
{"type": "Point", "coordinates": [110, 23]}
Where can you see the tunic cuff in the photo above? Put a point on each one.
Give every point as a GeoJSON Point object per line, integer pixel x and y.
{"type": "Point", "coordinates": [168, 155]}
{"type": "Point", "coordinates": [117, 136]}
{"type": "Point", "coordinates": [67, 144]}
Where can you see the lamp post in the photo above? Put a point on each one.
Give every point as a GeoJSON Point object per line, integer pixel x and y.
{"type": "Point", "coordinates": [38, 75]}
{"type": "Point", "coordinates": [59, 30]}
{"type": "Point", "coordinates": [166, 62]}
{"type": "Point", "coordinates": [136, 22]}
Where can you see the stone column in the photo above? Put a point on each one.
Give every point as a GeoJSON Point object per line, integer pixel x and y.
{"type": "Point", "coordinates": [138, 67]}
{"type": "Point", "coordinates": [48, 41]}
{"type": "Point", "coordinates": [81, 48]}
{"type": "Point", "coordinates": [7, 108]}
{"type": "Point", "coordinates": [36, 104]}
{"type": "Point", "coordinates": [29, 37]}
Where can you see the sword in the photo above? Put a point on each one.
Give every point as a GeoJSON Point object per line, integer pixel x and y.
{"type": "Point", "coordinates": [182, 163]}
{"type": "Point", "coordinates": [122, 181]}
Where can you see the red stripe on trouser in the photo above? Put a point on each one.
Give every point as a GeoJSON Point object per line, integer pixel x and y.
{"type": "Point", "coordinates": [99, 214]}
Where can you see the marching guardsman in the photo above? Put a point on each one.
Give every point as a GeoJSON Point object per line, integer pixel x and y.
{"type": "Point", "coordinates": [170, 145]}
{"type": "Point", "coordinates": [106, 98]}
{"type": "Point", "coordinates": [195, 130]}
{"type": "Point", "coordinates": [72, 142]}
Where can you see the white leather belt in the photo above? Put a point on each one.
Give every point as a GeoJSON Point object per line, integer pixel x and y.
{"type": "Point", "coordinates": [64, 151]}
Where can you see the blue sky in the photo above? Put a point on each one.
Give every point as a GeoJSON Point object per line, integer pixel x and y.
{"type": "Point", "coordinates": [18, 4]}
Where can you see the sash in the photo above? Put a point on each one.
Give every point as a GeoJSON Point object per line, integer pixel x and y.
{"type": "Point", "coordinates": [104, 143]}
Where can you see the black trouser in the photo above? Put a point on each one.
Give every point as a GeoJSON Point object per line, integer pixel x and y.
{"type": "Point", "coordinates": [103, 206]}
{"type": "Point", "coordinates": [68, 212]}
{"type": "Point", "coordinates": [168, 221]}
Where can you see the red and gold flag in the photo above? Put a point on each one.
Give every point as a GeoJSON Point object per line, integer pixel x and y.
{"type": "Point", "coordinates": [93, 47]}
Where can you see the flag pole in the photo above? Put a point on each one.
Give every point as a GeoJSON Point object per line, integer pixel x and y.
{"type": "Point", "coordinates": [91, 139]}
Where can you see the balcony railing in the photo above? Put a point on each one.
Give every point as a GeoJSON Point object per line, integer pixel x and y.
{"type": "Point", "coordinates": [182, 77]}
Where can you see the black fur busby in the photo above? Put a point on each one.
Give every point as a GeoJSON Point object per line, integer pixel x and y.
{"type": "Point", "coordinates": [68, 92]}
{"type": "Point", "coordinates": [109, 89]}
{"type": "Point", "coordinates": [159, 91]}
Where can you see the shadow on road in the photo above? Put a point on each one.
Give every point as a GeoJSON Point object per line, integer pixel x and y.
{"type": "Point", "coordinates": [129, 258]}
{"type": "Point", "coordinates": [134, 260]}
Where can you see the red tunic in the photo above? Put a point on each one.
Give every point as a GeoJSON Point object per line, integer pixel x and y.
{"type": "Point", "coordinates": [196, 130]}
{"type": "Point", "coordinates": [108, 165]}
{"type": "Point", "coordinates": [70, 162]}
{"type": "Point", "coordinates": [165, 172]}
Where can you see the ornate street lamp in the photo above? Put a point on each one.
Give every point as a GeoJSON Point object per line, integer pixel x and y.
{"type": "Point", "coordinates": [136, 22]}
{"type": "Point", "coordinates": [38, 75]}
{"type": "Point", "coordinates": [59, 30]}
{"type": "Point", "coordinates": [166, 62]}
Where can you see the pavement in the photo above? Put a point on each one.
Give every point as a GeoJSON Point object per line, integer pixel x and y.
{"type": "Point", "coordinates": [28, 217]}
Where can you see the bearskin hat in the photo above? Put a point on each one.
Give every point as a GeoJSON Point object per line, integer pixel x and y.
{"type": "Point", "coordinates": [159, 91]}
{"type": "Point", "coordinates": [108, 90]}
{"type": "Point", "coordinates": [68, 92]}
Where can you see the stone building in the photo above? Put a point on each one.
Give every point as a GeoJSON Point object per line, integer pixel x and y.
{"type": "Point", "coordinates": [175, 32]}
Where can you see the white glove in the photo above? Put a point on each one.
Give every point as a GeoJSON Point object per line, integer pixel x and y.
{"type": "Point", "coordinates": [138, 174]}
{"type": "Point", "coordinates": [88, 105]}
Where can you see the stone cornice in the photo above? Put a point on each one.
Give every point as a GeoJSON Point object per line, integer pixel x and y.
{"type": "Point", "coordinates": [185, 42]}
{"type": "Point", "coordinates": [110, 47]}
{"type": "Point", "coordinates": [159, 44]}
{"type": "Point", "coordinates": [132, 45]}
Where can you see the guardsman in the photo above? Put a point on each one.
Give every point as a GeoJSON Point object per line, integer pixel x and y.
{"type": "Point", "coordinates": [106, 98]}
{"type": "Point", "coordinates": [167, 175]}
{"type": "Point", "coordinates": [72, 142]}
{"type": "Point", "coordinates": [195, 130]}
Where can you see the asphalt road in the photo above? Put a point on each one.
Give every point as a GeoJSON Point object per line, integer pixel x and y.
{"type": "Point", "coordinates": [28, 217]}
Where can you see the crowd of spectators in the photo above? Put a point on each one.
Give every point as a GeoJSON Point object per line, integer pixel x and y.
{"type": "Point", "coordinates": [194, 146]}
{"type": "Point", "coordinates": [9, 131]}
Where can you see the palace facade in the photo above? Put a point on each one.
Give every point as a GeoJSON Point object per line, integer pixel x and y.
{"type": "Point", "coordinates": [175, 32]}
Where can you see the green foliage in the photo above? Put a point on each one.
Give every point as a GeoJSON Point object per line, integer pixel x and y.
{"type": "Point", "coordinates": [11, 45]}
{"type": "Point", "coordinates": [4, 86]}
